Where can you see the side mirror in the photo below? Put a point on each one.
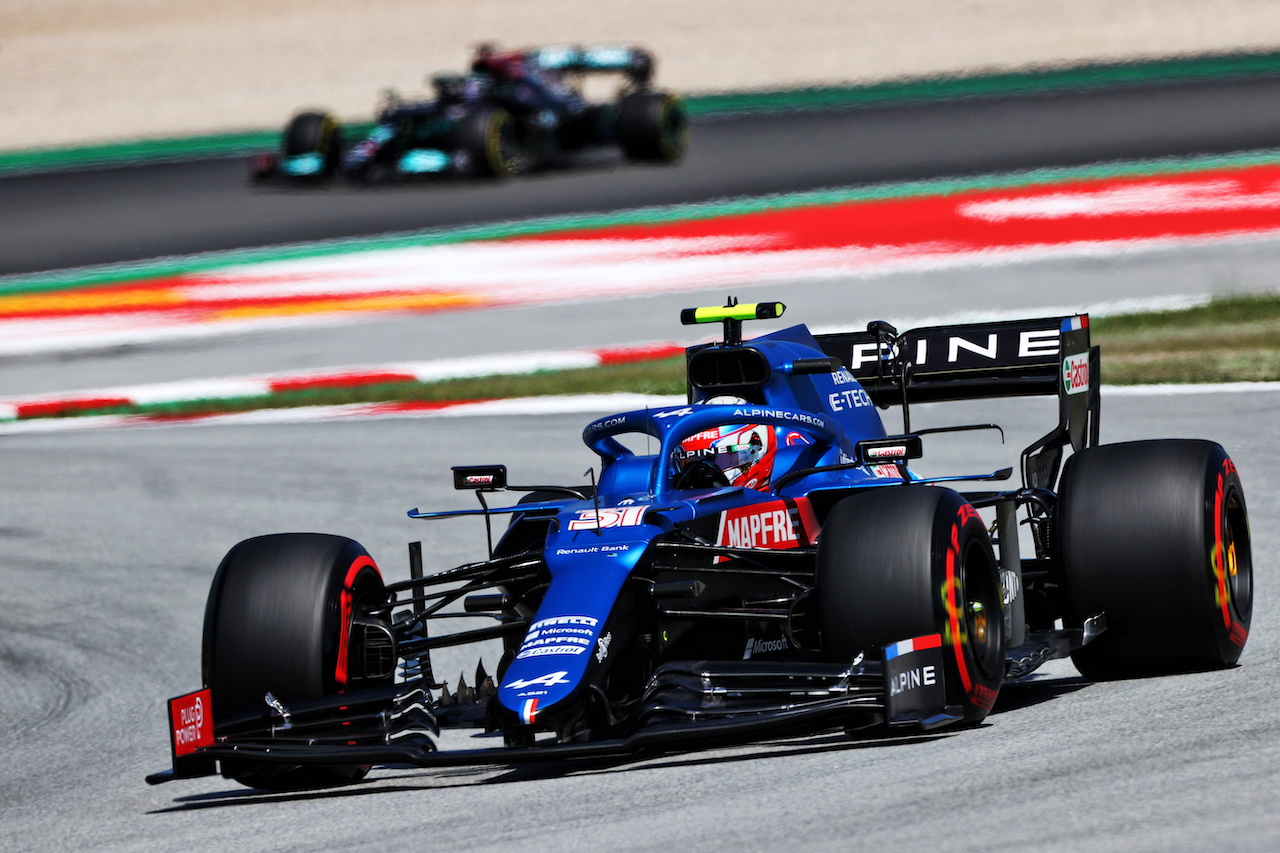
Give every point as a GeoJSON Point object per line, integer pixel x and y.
{"type": "Point", "coordinates": [486, 478]}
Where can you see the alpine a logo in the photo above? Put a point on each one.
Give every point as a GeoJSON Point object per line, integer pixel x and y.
{"type": "Point", "coordinates": [1075, 373]}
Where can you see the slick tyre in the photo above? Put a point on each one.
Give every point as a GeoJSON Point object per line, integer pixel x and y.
{"type": "Point", "coordinates": [898, 563]}
{"type": "Point", "coordinates": [315, 133]}
{"type": "Point", "coordinates": [489, 137]}
{"type": "Point", "coordinates": [652, 126]}
{"type": "Point", "coordinates": [279, 621]}
{"type": "Point", "coordinates": [1155, 535]}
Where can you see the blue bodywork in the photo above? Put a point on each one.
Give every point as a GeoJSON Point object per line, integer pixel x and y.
{"type": "Point", "coordinates": [594, 546]}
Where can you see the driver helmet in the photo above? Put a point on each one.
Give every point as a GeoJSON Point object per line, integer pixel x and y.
{"type": "Point", "coordinates": [751, 452]}
{"type": "Point", "coordinates": [743, 452]}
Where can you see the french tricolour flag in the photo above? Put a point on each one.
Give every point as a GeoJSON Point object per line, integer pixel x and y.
{"type": "Point", "coordinates": [906, 647]}
{"type": "Point", "coordinates": [1075, 324]}
{"type": "Point", "coordinates": [528, 711]}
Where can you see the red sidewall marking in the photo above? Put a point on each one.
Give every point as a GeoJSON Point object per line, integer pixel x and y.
{"type": "Point", "coordinates": [344, 623]}
{"type": "Point", "coordinates": [953, 610]}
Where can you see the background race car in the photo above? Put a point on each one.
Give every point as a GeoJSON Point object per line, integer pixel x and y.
{"type": "Point", "coordinates": [512, 112]}
{"type": "Point", "coordinates": [764, 562]}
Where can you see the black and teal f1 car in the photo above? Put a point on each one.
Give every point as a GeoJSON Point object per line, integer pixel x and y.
{"type": "Point", "coordinates": [513, 111]}
{"type": "Point", "coordinates": [760, 561]}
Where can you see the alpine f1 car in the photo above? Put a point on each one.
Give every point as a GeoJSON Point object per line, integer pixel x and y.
{"type": "Point", "coordinates": [762, 561]}
{"type": "Point", "coordinates": [513, 112]}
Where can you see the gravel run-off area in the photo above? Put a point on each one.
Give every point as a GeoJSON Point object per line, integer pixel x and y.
{"type": "Point", "coordinates": [85, 71]}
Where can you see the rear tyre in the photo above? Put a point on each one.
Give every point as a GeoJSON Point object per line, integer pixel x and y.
{"type": "Point", "coordinates": [278, 620]}
{"type": "Point", "coordinates": [315, 133]}
{"type": "Point", "coordinates": [1155, 534]}
{"type": "Point", "coordinates": [489, 138]}
{"type": "Point", "coordinates": [903, 562]}
{"type": "Point", "coordinates": [653, 126]}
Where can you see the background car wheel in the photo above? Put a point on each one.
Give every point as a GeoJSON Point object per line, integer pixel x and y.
{"type": "Point", "coordinates": [1156, 535]}
{"type": "Point", "coordinates": [278, 620]}
{"type": "Point", "coordinates": [489, 137]}
{"type": "Point", "coordinates": [902, 562]}
{"type": "Point", "coordinates": [653, 126]}
{"type": "Point", "coordinates": [315, 133]}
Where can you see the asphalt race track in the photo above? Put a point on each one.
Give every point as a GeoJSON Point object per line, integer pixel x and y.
{"type": "Point", "coordinates": [63, 220]}
{"type": "Point", "coordinates": [110, 540]}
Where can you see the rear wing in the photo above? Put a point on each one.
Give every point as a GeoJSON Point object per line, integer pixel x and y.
{"type": "Point", "coordinates": [1016, 358]}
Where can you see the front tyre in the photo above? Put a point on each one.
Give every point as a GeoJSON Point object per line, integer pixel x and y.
{"type": "Point", "coordinates": [489, 139]}
{"type": "Point", "coordinates": [902, 562]}
{"type": "Point", "coordinates": [1155, 535]}
{"type": "Point", "coordinates": [652, 126]}
{"type": "Point", "coordinates": [314, 137]}
{"type": "Point", "coordinates": [279, 620]}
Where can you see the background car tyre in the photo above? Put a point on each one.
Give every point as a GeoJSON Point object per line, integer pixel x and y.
{"type": "Point", "coordinates": [488, 136]}
{"type": "Point", "coordinates": [1156, 535]}
{"type": "Point", "coordinates": [902, 562]}
{"type": "Point", "coordinates": [653, 126]}
{"type": "Point", "coordinates": [315, 133]}
{"type": "Point", "coordinates": [278, 620]}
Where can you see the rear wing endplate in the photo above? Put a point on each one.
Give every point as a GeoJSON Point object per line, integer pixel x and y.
{"type": "Point", "coordinates": [1016, 358]}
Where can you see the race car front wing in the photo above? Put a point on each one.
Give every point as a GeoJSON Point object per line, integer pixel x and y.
{"type": "Point", "coordinates": [687, 705]}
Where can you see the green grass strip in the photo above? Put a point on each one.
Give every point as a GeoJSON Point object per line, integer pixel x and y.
{"type": "Point", "coordinates": [1229, 339]}
{"type": "Point", "coordinates": [1068, 78]}
{"type": "Point", "coordinates": [193, 264]}
{"type": "Point", "coordinates": [1077, 77]}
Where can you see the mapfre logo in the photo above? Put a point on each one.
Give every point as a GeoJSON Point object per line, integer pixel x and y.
{"type": "Point", "coordinates": [774, 525]}
{"type": "Point", "coordinates": [1075, 373]}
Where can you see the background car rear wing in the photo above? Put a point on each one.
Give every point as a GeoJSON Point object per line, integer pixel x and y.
{"type": "Point", "coordinates": [1016, 358]}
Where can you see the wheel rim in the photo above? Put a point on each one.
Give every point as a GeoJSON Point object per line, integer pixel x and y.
{"type": "Point", "coordinates": [1237, 559]}
{"type": "Point", "coordinates": [983, 609]}
{"type": "Point", "coordinates": [502, 147]}
{"type": "Point", "coordinates": [675, 128]}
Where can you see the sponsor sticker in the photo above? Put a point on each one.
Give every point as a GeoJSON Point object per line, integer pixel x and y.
{"type": "Point", "coordinates": [592, 549]}
{"type": "Point", "coordinates": [854, 398]}
{"type": "Point", "coordinates": [558, 635]}
{"type": "Point", "coordinates": [190, 722]}
{"type": "Point", "coordinates": [1075, 373]}
{"type": "Point", "coordinates": [913, 679]}
{"type": "Point", "coordinates": [778, 414]}
{"type": "Point", "coordinates": [757, 646]}
{"type": "Point", "coordinates": [776, 525]}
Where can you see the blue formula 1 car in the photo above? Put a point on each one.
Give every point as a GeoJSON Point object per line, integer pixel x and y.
{"type": "Point", "coordinates": [762, 561]}
{"type": "Point", "coordinates": [514, 111]}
